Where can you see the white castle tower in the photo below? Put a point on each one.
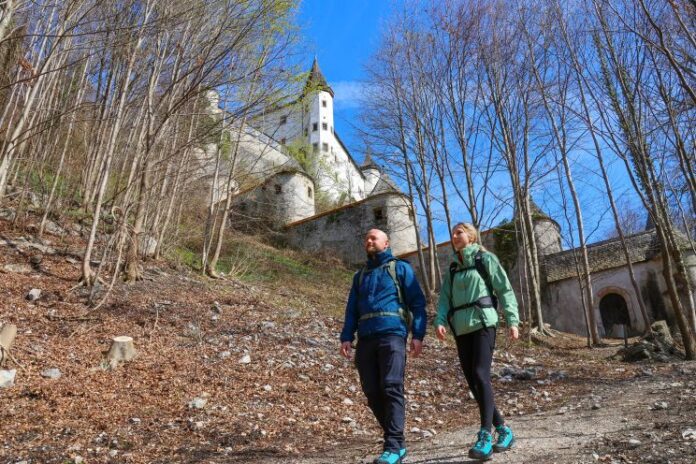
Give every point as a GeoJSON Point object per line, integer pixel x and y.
{"type": "Point", "coordinates": [320, 122]}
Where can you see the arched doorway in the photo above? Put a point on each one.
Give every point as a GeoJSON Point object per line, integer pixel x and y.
{"type": "Point", "coordinates": [614, 312]}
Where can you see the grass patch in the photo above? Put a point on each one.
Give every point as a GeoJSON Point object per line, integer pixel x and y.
{"type": "Point", "coordinates": [291, 278]}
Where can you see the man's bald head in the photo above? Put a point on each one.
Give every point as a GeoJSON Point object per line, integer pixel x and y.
{"type": "Point", "coordinates": [376, 241]}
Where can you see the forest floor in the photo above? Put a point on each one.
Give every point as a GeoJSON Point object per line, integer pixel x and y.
{"type": "Point", "coordinates": [247, 370]}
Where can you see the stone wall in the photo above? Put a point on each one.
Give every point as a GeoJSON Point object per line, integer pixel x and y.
{"type": "Point", "coordinates": [284, 198]}
{"type": "Point", "coordinates": [444, 254]}
{"type": "Point", "coordinates": [340, 232]}
{"type": "Point", "coordinates": [562, 306]}
{"type": "Point", "coordinates": [548, 236]}
{"type": "Point", "coordinates": [260, 156]}
{"type": "Point", "coordinates": [336, 173]}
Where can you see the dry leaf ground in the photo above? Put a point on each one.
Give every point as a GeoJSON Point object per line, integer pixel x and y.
{"type": "Point", "coordinates": [295, 400]}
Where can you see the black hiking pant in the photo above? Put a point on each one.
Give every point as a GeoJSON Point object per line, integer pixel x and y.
{"type": "Point", "coordinates": [475, 351]}
{"type": "Point", "coordinates": [381, 363]}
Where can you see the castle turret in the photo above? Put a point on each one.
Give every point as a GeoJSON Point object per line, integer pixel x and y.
{"type": "Point", "coordinates": [320, 124]}
{"type": "Point", "coordinates": [546, 231]}
{"type": "Point", "coordinates": [371, 172]}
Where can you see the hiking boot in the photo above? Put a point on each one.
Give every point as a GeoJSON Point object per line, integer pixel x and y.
{"type": "Point", "coordinates": [402, 454]}
{"type": "Point", "coordinates": [388, 458]}
{"type": "Point", "coordinates": [483, 448]}
{"type": "Point", "coordinates": [505, 439]}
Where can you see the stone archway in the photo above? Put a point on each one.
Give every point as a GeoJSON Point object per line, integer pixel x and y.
{"type": "Point", "coordinates": [613, 310]}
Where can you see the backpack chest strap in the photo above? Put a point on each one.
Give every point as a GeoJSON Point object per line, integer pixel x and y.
{"type": "Point", "coordinates": [483, 302]}
{"type": "Point", "coordinates": [400, 313]}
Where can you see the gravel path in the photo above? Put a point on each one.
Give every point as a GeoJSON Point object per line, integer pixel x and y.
{"type": "Point", "coordinates": [652, 411]}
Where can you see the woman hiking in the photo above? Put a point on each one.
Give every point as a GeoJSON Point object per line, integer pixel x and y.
{"type": "Point", "coordinates": [467, 305]}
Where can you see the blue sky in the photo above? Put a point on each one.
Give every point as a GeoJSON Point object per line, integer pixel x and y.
{"type": "Point", "coordinates": [343, 35]}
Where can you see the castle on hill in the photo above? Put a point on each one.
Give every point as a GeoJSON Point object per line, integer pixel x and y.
{"type": "Point", "coordinates": [294, 167]}
{"type": "Point", "coordinates": [300, 177]}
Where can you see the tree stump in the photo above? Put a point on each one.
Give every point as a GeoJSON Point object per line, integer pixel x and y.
{"type": "Point", "coordinates": [122, 350]}
{"type": "Point", "coordinates": [7, 336]}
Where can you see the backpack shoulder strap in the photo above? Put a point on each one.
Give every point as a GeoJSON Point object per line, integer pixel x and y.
{"type": "Point", "coordinates": [391, 269]}
{"type": "Point", "coordinates": [483, 272]}
{"type": "Point", "coordinates": [452, 272]}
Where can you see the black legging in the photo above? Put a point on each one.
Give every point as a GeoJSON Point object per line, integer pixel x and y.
{"type": "Point", "coordinates": [475, 351]}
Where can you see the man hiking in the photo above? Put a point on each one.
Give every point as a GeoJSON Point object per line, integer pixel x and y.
{"type": "Point", "coordinates": [384, 303]}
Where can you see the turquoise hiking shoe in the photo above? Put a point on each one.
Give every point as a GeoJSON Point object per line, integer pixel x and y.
{"type": "Point", "coordinates": [402, 453]}
{"type": "Point", "coordinates": [505, 439]}
{"type": "Point", "coordinates": [483, 448]}
{"type": "Point", "coordinates": [388, 458]}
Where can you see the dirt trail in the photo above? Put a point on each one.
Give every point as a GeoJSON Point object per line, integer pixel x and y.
{"type": "Point", "coordinates": [594, 428]}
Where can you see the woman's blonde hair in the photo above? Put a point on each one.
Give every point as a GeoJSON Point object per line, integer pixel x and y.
{"type": "Point", "coordinates": [470, 230]}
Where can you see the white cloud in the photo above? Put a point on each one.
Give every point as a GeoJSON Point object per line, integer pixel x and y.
{"type": "Point", "coordinates": [349, 94]}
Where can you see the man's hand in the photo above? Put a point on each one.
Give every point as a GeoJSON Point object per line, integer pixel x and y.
{"type": "Point", "coordinates": [416, 347]}
{"type": "Point", "coordinates": [514, 333]}
{"type": "Point", "coordinates": [346, 350]}
{"type": "Point", "coordinates": [440, 331]}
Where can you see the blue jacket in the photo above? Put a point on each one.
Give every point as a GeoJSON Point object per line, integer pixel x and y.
{"type": "Point", "coordinates": [379, 294]}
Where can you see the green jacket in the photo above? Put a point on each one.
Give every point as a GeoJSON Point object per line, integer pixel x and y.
{"type": "Point", "coordinates": [468, 287]}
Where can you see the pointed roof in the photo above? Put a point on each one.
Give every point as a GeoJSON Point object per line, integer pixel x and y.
{"type": "Point", "coordinates": [316, 79]}
{"type": "Point", "coordinates": [384, 184]}
{"type": "Point", "coordinates": [368, 163]}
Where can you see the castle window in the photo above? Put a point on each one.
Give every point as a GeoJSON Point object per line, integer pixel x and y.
{"type": "Point", "coordinates": [306, 132]}
{"type": "Point", "coordinates": [324, 147]}
{"type": "Point", "coordinates": [283, 140]}
{"type": "Point", "coordinates": [309, 192]}
{"type": "Point", "coordinates": [379, 214]}
{"type": "Point", "coordinates": [323, 103]}
{"type": "Point", "coordinates": [283, 120]}
{"type": "Point", "coordinates": [324, 126]}
{"type": "Point", "coordinates": [315, 148]}
{"type": "Point", "coordinates": [315, 127]}
{"type": "Point", "coordinates": [278, 189]}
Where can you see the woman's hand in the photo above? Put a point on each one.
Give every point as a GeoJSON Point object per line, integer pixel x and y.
{"type": "Point", "coordinates": [440, 331]}
{"type": "Point", "coordinates": [514, 333]}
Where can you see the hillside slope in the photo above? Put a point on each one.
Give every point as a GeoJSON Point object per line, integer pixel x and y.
{"type": "Point", "coordinates": [240, 370]}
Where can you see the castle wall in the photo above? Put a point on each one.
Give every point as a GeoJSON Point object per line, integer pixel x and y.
{"type": "Point", "coordinates": [548, 236]}
{"type": "Point", "coordinates": [336, 173]}
{"type": "Point", "coordinates": [295, 117]}
{"type": "Point", "coordinates": [284, 198]}
{"type": "Point", "coordinates": [340, 232]}
{"type": "Point", "coordinates": [444, 254]}
{"type": "Point", "coordinates": [259, 156]}
{"type": "Point", "coordinates": [562, 305]}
